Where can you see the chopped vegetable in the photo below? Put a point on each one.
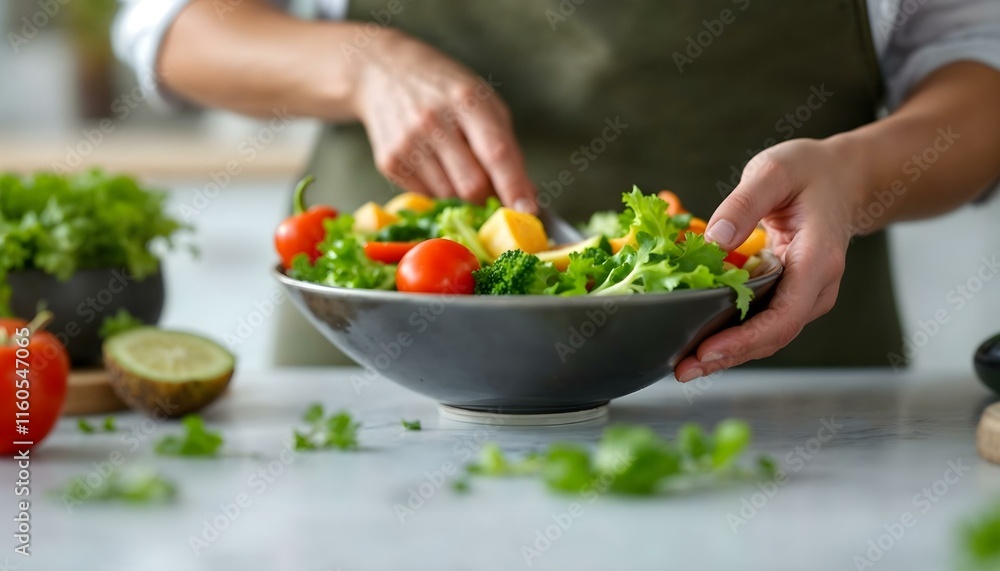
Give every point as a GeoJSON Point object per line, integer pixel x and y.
{"type": "Point", "coordinates": [388, 252]}
{"type": "Point", "coordinates": [371, 218]}
{"type": "Point", "coordinates": [120, 322]}
{"type": "Point", "coordinates": [142, 486]}
{"type": "Point", "coordinates": [674, 206]}
{"type": "Point", "coordinates": [509, 229]}
{"type": "Point", "coordinates": [560, 256]}
{"type": "Point", "coordinates": [410, 201]}
{"type": "Point", "coordinates": [516, 273]}
{"type": "Point", "coordinates": [631, 460]}
{"type": "Point", "coordinates": [301, 232]}
{"type": "Point", "coordinates": [61, 224]}
{"type": "Point", "coordinates": [438, 265]}
{"type": "Point", "coordinates": [753, 244]}
{"type": "Point", "coordinates": [411, 424]}
{"type": "Point", "coordinates": [195, 441]}
{"type": "Point", "coordinates": [338, 431]}
{"type": "Point", "coordinates": [343, 262]}
{"type": "Point", "coordinates": [459, 224]}
{"type": "Point", "coordinates": [607, 223]}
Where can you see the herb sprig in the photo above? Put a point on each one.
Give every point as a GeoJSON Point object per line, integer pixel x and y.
{"type": "Point", "coordinates": [338, 430]}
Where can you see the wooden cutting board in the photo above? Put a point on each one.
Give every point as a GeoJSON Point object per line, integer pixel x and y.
{"type": "Point", "coordinates": [988, 434]}
{"type": "Point", "coordinates": [89, 392]}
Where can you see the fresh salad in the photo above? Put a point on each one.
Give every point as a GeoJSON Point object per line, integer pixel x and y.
{"type": "Point", "coordinates": [418, 244]}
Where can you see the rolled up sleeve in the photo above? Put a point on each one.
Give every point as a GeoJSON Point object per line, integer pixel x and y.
{"type": "Point", "coordinates": [926, 35]}
{"type": "Point", "coordinates": [137, 35]}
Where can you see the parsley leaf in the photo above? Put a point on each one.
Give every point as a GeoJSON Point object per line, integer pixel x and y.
{"type": "Point", "coordinates": [118, 323]}
{"type": "Point", "coordinates": [980, 541]}
{"type": "Point", "coordinates": [108, 425]}
{"type": "Point", "coordinates": [85, 426]}
{"type": "Point", "coordinates": [142, 486]}
{"type": "Point", "coordinates": [61, 224]}
{"type": "Point", "coordinates": [196, 440]}
{"type": "Point", "coordinates": [411, 424]}
{"type": "Point", "coordinates": [338, 431]}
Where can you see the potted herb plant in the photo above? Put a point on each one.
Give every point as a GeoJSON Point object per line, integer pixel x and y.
{"type": "Point", "coordinates": [81, 245]}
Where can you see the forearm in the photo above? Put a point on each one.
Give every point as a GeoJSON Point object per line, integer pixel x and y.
{"type": "Point", "coordinates": [939, 150]}
{"type": "Point", "coordinates": [255, 59]}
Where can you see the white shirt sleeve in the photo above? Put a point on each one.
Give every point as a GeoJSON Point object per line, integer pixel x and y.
{"type": "Point", "coordinates": [137, 34]}
{"type": "Point", "coordinates": [917, 37]}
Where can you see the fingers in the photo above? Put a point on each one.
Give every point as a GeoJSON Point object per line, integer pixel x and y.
{"type": "Point", "coordinates": [467, 178]}
{"type": "Point", "coordinates": [492, 139]}
{"type": "Point", "coordinates": [766, 184]}
{"type": "Point", "coordinates": [807, 290]}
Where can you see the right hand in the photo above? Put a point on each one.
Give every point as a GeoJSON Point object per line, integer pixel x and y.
{"type": "Point", "coordinates": [435, 128]}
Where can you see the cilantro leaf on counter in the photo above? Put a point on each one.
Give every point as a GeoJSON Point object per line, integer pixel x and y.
{"type": "Point", "coordinates": [631, 460]}
{"type": "Point", "coordinates": [980, 541]}
{"type": "Point", "coordinates": [61, 224]}
{"type": "Point", "coordinates": [195, 441]}
{"type": "Point", "coordinates": [339, 430]}
{"type": "Point", "coordinates": [142, 486]}
{"type": "Point", "coordinates": [107, 425]}
{"type": "Point", "coordinates": [411, 424]}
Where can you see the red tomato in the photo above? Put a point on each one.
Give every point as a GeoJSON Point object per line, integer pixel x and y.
{"type": "Point", "coordinates": [737, 259]}
{"type": "Point", "coordinates": [34, 373]}
{"type": "Point", "coordinates": [437, 266]}
{"type": "Point", "coordinates": [303, 231]}
{"type": "Point", "coordinates": [388, 252]}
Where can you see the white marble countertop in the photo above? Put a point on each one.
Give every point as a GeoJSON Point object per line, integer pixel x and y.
{"type": "Point", "coordinates": [897, 441]}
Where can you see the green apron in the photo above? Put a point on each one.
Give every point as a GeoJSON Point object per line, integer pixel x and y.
{"type": "Point", "coordinates": [661, 94]}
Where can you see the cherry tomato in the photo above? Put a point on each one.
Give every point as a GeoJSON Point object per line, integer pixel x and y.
{"type": "Point", "coordinates": [737, 259]}
{"type": "Point", "coordinates": [34, 371]}
{"type": "Point", "coordinates": [303, 230]}
{"type": "Point", "coordinates": [388, 252]}
{"type": "Point", "coordinates": [673, 203]}
{"type": "Point", "coordinates": [437, 266]}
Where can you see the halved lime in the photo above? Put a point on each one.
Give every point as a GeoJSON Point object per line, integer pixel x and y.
{"type": "Point", "coordinates": [169, 372]}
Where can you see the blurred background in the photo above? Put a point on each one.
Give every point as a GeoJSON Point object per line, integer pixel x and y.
{"type": "Point", "coordinates": [64, 100]}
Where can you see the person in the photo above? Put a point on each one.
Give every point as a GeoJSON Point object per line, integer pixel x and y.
{"type": "Point", "coordinates": [760, 111]}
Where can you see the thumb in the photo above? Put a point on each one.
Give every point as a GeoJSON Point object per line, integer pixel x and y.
{"type": "Point", "coordinates": [764, 186]}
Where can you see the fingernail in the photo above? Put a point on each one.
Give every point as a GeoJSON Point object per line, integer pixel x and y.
{"type": "Point", "coordinates": [722, 232]}
{"type": "Point", "coordinates": [524, 205]}
{"type": "Point", "coordinates": [690, 375]}
{"type": "Point", "coordinates": [708, 358]}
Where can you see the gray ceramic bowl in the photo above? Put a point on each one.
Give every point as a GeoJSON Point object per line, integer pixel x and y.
{"type": "Point", "coordinates": [517, 355]}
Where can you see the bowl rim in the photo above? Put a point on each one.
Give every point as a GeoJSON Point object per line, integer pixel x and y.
{"type": "Point", "coordinates": [519, 300]}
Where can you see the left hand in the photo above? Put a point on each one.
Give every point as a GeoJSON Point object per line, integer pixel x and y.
{"type": "Point", "coordinates": [804, 192]}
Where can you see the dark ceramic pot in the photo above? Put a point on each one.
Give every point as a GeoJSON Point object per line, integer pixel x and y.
{"type": "Point", "coordinates": [518, 354]}
{"type": "Point", "coordinates": [81, 304]}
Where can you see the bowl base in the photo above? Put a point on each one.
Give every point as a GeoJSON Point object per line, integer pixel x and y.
{"type": "Point", "coordinates": [457, 414]}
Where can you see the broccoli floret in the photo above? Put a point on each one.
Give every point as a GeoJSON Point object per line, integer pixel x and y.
{"type": "Point", "coordinates": [516, 273]}
{"type": "Point", "coordinates": [460, 224]}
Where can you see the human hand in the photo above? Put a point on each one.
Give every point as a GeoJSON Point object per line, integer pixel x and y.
{"type": "Point", "coordinates": [437, 129]}
{"type": "Point", "coordinates": [804, 192]}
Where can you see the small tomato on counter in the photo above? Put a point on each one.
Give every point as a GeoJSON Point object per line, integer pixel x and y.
{"type": "Point", "coordinates": [301, 232]}
{"type": "Point", "coordinates": [35, 368]}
